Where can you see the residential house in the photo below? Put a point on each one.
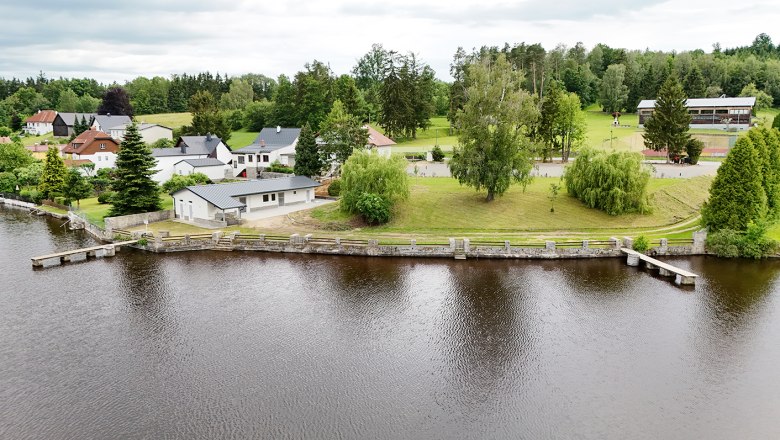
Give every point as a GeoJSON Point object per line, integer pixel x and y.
{"type": "Point", "coordinates": [63, 123]}
{"type": "Point", "coordinates": [150, 133]}
{"type": "Point", "coordinates": [6, 140]}
{"type": "Point", "coordinates": [104, 123]}
{"type": "Point", "coordinates": [40, 123]}
{"type": "Point", "coordinates": [215, 169]}
{"type": "Point", "coordinates": [189, 147]}
{"type": "Point", "coordinates": [39, 151]}
{"type": "Point", "coordinates": [379, 142]}
{"type": "Point", "coordinates": [271, 145]}
{"type": "Point", "coordinates": [215, 205]}
{"type": "Point", "coordinates": [95, 146]}
{"type": "Point", "coordinates": [716, 113]}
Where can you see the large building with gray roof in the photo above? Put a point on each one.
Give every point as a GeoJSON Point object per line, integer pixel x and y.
{"type": "Point", "coordinates": [273, 144]}
{"type": "Point", "coordinates": [714, 113]}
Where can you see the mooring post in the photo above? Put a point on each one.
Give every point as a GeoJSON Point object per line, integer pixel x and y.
{"type": "Point", "coordinates": [632, 259]}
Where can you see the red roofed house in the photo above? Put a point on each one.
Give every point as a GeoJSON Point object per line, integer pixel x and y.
{"type": "Point", "coordinates": [380, 142]}
{"type": "Point", "coordinates": [41, 122]}
{"type": "Point", "coordinates": [96, 146]}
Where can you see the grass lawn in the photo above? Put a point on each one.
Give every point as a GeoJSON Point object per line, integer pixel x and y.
{"type": "Point", "coordinates": [242, 138]}
{"type": "Point", "coordinates": [94, 211]}
{"type": "Point", "coordinates": [49, 138]}
{"type": "Point", "coordinates": [438, 132]}
{"type": "Point", "coordinates": [170, 120]}
{"type": "Point", "coordinates": [441, 206]}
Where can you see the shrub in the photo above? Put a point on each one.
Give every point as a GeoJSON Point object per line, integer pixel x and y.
{"type": "Point", "coordinates": [437, 154]}
{"type": "Point", "coordinates": [277, 167]}
{"type": "Point", "coordinates": [612, 182]}
{"type": "Point", "coordinates": [8, 182]}
{"type": "Point", "coordinates": [753, 243]}
{"type": "Point", "coordinates": [693, 148]}
{"type": "Point", "coordinates": [641, 244]}
{"type": "Point", "coordinates": [142, 242]}
{"type": "Point", "coordinates": [32, 194]}
{"type": "Point", "coordinates": [374, 209]}
{"type": "Point", "coordinates": [105, 197]}
{"type": "Point", "coordinates": [177, 182]}
{"type": "Point", "coordinates": [334, 189]}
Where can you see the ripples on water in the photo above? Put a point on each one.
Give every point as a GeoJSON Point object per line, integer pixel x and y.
{"type": "Point", "coordinates": [252, 345]}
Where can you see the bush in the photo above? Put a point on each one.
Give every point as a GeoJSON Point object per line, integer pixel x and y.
{"type": "Point", "coordinates": [753, 243]}
{"type": "Point", "coordinates": [106, 197]}
{"type": "Point", "coordinates": [693, 148]}
{"type": "Point", "coordinates": [32, 194]}
{"type": "Point", "coordinates": [437, 154]}
{"type": "Point", "coordinates": [365, 172]}
{"type": "Point", "coordinates": [177, 182]}
{"type": "Point", "coordinates": [277, 167]}
{"type": "Point", "coordinates": [776, 122]}
{"type": "Point", "coordinates": [612, 182]}
{"type": "Point", "coordinates": [8, 182]}
{"type": "Point", "coordinates": [374, 209]}
{"type": "Point", "coordinates": [641, 244]}
{"type": "Point", "coordinates": [334, 189]}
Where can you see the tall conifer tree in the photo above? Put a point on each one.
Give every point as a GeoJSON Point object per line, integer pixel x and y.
{"type": "Point", "coordinates": [136, 192]}
{"type": "Point", "coordinates": [668, 126]}
{"type": "Point", "coordinates": [52, 181]}
{"type": "Point", "coordinates": [308, 161]}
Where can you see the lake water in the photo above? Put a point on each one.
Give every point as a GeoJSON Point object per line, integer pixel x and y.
{"type": "Point", "coordinates": [253, 345]}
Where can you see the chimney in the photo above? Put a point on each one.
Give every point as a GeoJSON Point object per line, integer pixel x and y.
{"type": "Point", "coordinates": [278, 128]}
{"type": "Point", "coordinates": [183, 148]}
{"type": "Point", "coordinates": [208, 137]}
{"type": "Point", "coordinates": [108, 114]}
{"type": "Point", "coordinates": [262, 142]}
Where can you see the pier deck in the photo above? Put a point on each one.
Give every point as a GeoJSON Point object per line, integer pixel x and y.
{"type": "Point", "coordinates": [106, 250]}
{"type": "Point", "coordinates": [682, 277]}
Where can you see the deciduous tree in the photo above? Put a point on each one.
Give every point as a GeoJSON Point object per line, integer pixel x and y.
{"type": "Point", "coordinates": [76, 187]}
{"type": "Point", "coordinates": [342, 133]}
{"type": "Point", "coordinates": [116, 101]}
{"type": "Point", "coordinates": [494, 147]}
{"type": "Point", "coordinates": [613, 92]}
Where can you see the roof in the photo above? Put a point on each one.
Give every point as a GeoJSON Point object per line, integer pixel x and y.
{"type": "Point", "coordinates": [85, 139]}
{"type": "Point", "coordinates": [106, 121]}
{"type": "Point", "coordinates": [141, 127]}
{"type": "Point", "coordinates": [222, 195]}
{"type": "Point", "coordinates": [44, 116]}
{"type": "Point", "coordinates": [193, 146]}
{"type": "Point", "coordinates": [377, 139]}
{"type": "Point", "coordinates": [198, 163]}
{"type": "Point", "coordinates": [41, 148]}
{"type": "Point", "coordinates": [5, 140]}
{"type": "Point", "coordinates": [70, 118]}
{"type": "Point", "coordinates": [75, 163]}
{"type": "Point", "coordinates": [707, 102]}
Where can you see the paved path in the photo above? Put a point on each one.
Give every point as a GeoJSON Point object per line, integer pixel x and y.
{"type": "Point", "coordinates": [284, 210]}
{"type": "Point", "coordinates": [660, 169]}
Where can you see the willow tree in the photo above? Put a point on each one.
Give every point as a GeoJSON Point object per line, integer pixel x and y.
{"type": "Point", "coordinates": [494, 148]}
{"type": "Point", "coordinates": [366, 173]}
{"type": "Point", "coordinates": [737, 196]}
{"type": "Point", "coordinates": [612, 182]}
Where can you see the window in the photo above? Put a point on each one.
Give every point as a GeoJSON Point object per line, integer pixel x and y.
{"type": "Point", "coordinates": [242, 200]}
{"type": "Point", "coordinates": [721, 111]}
{"type": "Point", "coordinates": [250, 158]}
{"type": "Point", "coordinates": [295, 192]}
{"type": "Point", "coordinates": [240, 159]}
{"type": "Point", "coordinates": [102, 146]}
{"type": "Point", "coordinates": [265, 197]}
{"type": "Point", "coordinates": [265, 158]}
{"type": "Point", "coordinates": [273, 197]}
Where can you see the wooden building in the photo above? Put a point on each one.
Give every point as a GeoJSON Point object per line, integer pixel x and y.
{"type": "Point", "coordinates": [714, 113]}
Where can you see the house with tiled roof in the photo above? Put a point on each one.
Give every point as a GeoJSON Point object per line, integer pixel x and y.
{"type": "Point", "coordinates": [379, 142]}
{"type": "Point", "coordinates": [186, 148]}
{"type": "Point", "coordinates": [95, 146]}
{"type": "Point", "coordinates": [39, 151]}
{"type": "Point", "coordinates": [40, 123]}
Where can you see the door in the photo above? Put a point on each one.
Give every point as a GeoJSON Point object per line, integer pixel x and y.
{"type": "Point", "coordinates": [281, 199]}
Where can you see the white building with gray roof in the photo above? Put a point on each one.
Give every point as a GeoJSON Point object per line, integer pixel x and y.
{"type": "Point", "coordinates": [186, 148]}
{"type": "Point", "coordinates": [273, 144]}
{"type": "Point", "coordinates": [215, 205]}
{"type": "Point", "coordinates": [712, 113]}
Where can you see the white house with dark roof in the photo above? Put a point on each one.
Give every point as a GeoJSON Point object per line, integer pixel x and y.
{"type": "Point", "coordinates": [215, 169]}
{"type": "Point", "coordinates": [271, 145]}
{"type": "Point", "coordinates": [218, 204]}
{"type": "Point", "coordinates": [105, 122]}
{"type": "Point", "coordinates": [150, 133]}
{"type": "Point", "coordinates": [189, 147]}
{"type": "Point", "coordinates": [715, 113]}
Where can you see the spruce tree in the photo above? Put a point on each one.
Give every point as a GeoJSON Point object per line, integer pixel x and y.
{"type": "Point", "coordinates": [768, 173]}
{"type": "Point", "coordinates": [136, 192]}
{"type": "Point", "coordinates": [52, 181]}
{"type": "Point", "coordinates": [668, 126]}
{"type": "Point", "coordinates": [737, 197]}
{"type": "Point", "coordinates": [773, 182]}
{"type": "Point", "coordinates": [308, 161]}
{"type": "Point", "coordinates": [695, 86]}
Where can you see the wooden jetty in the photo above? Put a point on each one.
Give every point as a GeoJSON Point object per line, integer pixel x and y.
{"type": "Point", "coordinates": [106, 250]}
{"type": "Point", "coordinates": [681, 277]}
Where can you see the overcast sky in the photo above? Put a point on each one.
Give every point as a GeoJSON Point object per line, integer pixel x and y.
{"type": "Point", "coordinates": [119, 40]}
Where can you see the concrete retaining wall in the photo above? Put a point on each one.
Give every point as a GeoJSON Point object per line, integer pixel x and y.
{"type": "Point", "coordinates": [128, 221]}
